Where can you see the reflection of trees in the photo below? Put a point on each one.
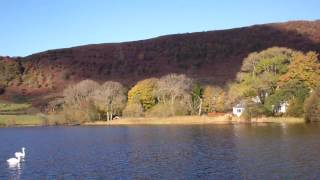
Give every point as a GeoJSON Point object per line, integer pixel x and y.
{"type": "Point", "coordinates": [182, 151]}
{"type": "Point", "coordinates": [278, 150]}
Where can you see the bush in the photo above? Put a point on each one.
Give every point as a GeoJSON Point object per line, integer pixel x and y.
{"type": "Point", "coordinates": [166, 110]}
{"type": "Point", "coordinates": [133, 110]}
{"type": "Point", "coordinates": [87, 112]}
{"type": "Point", "coordinates": [295, 108]}
{"type": "Point", "coordinates": [312, 107]}
{"type": "Point", "coordinates": [254, 110]}
{"type": "Point", "coordinates": [159, 110]}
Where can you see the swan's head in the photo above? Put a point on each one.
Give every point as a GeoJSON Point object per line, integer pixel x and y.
{"type": "Point", "coordinates": [23, 148]}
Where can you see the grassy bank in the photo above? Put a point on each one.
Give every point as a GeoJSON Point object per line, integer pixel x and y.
{"type": "Point", "coordinates": [40, 120]}
{"type": "Point", "coordinates": [19, 114]}
{"type": "Point", "coordinates": [279, 120]}
{"type": "Point", "coordinates": [189, 120]}
{"type": "Point", "coordinates": [20, 120]}
{"type": "Point", "coordinates": [32, 120]}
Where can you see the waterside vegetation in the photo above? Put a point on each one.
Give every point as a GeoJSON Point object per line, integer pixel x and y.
{"type": "Point", "coordinates": [266, 80]}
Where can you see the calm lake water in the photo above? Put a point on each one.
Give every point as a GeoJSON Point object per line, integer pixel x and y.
{"type": "Point", "coordinates": [268, 151]}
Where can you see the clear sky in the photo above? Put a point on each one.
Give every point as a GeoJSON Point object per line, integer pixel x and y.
{"type": "Point", "coordinates": [30, 26]}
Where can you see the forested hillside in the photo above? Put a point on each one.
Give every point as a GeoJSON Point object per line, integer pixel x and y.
{"type": "Point", "coordinates": [213, 57]}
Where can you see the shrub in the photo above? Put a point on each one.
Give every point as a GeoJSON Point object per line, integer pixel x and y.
{"type": "Point", "coordinates": [295, 108]}
{"type": "Point", "coordinates": [312, 107]}
{"type": "Point", "coordinates": [253, 110]}
{"type": "Point", "coordinates": [160, 110]}
{"type": "Point", "coordinates": [166, 110]}
{"type": "Point", "coordinates": [87, 112]}
{"type": "Point", "coordinates": [133, 110]}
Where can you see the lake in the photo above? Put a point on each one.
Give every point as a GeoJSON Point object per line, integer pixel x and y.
{"type": "Point", "coordinates": [239, 151]}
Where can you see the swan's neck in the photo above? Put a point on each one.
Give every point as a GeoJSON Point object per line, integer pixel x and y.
{"type": "Point", "coordinates": [23, 152]}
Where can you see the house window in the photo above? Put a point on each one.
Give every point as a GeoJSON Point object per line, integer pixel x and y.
{"type": "Point", "coordinates": [239, 110]}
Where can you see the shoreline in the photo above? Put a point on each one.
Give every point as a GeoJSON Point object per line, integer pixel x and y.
{"type": "Point", "coordinates": [192, 120]}
{"type": "Point", "coordinates": [176, 120]}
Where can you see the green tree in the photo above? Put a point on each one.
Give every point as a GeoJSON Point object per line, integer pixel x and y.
{"type": "Point", "coordinates": [10, 70]}
{"type": "Point", "coordinates": [294, 92]}
{"type": "Point", "coordinates": [197, 93]}
{"type": "Point", "coordinates": [260, 72]}
{"type": "Point", "coordinates": [312, 106]}
{"type": "Point", "coordinates": [253, 110]}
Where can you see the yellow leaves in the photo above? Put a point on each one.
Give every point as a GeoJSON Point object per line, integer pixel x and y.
{"type": "Point", "coordinates": [304, 67]}
{"type": "Point", "coordinates": [213, 99]}
{"type": "Point", "coordinates": [142, 93]}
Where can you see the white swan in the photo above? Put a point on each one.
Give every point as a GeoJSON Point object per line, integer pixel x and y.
{"type": "Point", "coordinates": [20, 154]}
{"type": "Point", "coordinates": [14, 161]}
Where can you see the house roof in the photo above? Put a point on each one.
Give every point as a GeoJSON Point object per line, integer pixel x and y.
{"type": "Point", "coordinates": [240, 105]}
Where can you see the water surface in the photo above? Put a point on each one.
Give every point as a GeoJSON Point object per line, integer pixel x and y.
{"type": "Point", "coordinates": [262, 151]}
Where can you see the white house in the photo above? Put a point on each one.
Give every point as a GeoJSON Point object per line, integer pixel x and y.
{"type": "Point", "coordinates": [238, 109]}
{"type": "Point", "coordinates": [282, 107]}
{"type": "Point", "coordinates": [256, 99]}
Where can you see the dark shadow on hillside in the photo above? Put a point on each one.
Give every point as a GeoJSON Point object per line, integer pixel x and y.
{"type": "Point", "coordinates": [212, 57]}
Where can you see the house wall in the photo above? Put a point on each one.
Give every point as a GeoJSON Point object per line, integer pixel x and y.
{"type": "Point", "coordinates": [238, 111]}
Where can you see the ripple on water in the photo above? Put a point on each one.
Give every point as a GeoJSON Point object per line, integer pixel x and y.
{"type": "Point", "coordinates": [163, 152]}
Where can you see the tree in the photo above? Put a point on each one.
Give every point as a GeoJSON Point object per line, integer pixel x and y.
{"type": "Point", "coordinates": [197, 93]}
{"type": "Point", "coordinates": [312, 106]}
{"type": "Point", "coordinates": [110, 99]}
{"type": "Point", "coordinates": [78, 94]}
{"type": "Point", "coordinates": [274, 60]}
{"type": "Point", "coordinates": [142, 93]}
{"type": "Point", "coordinates": [174, 91]}
{"type": "Point", "coordinates": [213, 99]}
{"type": "Point", "coordinates": [260, 72]}
{"type": "Point", "coordinates": [305, 68]}
{"type": "Point", "coordinates": [294, 92]}
{"type": "Point", "coordinates": [10, 70]}
{"type": "Point", "coordinates": [253, 110]}
{"type": "Point", "coordinates": [78, 105]}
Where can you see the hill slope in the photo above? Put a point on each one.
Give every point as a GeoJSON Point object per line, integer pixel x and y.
{"type": "Point", "coordinates": [212, 57]}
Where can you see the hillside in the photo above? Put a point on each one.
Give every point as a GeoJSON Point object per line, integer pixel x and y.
{"type": "Point", "coordinates": [211, 57]}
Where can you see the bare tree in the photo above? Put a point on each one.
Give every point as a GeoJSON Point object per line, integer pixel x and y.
{"type": "Point", "coordinates": [77, 94]}
{"type": "Point", "coordinates": [110, 98]}
{"type": "Point", "coordinates": [173, 88]}
{"type": "Point", "coordinates": [77, 101]}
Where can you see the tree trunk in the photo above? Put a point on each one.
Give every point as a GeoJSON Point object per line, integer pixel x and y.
{"type": "Point", "coordinates": [200, 107]}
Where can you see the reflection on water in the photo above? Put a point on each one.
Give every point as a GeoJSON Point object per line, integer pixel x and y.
{"type": "Point", "coordinates": [253, 151]}
{"type": "Point", "coordinates": [15, 170]}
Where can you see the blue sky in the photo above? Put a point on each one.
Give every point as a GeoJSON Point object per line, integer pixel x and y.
{"type": "Point", "coordinates": [30, 26]}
